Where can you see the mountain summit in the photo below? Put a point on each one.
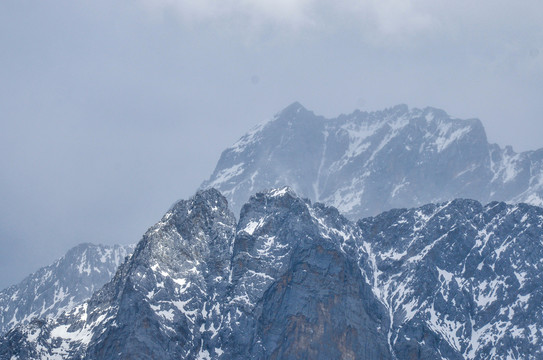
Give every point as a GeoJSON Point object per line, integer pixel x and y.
{"type": "Point", "coordinates": [296, 280]}
{"type": "Point", "coordinates": [368, 162]}
{"type": "Point", "coordinates": [62, 285]}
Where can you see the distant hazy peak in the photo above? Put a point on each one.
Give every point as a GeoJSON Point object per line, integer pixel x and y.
{"type": "Point", "coordinates": [62, 285]}
{"type": "Point", "coordinates": [367, 162]}
{"type": "Point", "coordinates": [292, 109]}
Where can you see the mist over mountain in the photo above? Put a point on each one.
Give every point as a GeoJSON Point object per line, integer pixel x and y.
{"type": "Point", "coordinates": [292, 279]}
{"type": "Point", "coordinates": [390, 232]}
{"type": "Point", "coordinates": [365, 163]}
{"type": "Point", "coordinates": [400, 267]}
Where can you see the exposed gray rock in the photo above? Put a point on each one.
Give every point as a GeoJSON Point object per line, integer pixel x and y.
{"type": "Point", "coordinates": [61, 286]}
{"type": "Point", "coordinates": [291, 280]}
{"type": "Point", "coordinates": [460, 280]}
{"type": "Point", "coordinates": [366, 163]}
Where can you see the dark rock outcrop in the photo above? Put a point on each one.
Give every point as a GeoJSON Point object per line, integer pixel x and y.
{"type": "Point", "coordinates": [295, 280]}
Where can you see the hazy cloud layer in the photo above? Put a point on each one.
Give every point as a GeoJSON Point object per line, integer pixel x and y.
{"type": "Point", "coordinates": [110, 111]}
{"type": "Point", "coordinates": [381, 22]}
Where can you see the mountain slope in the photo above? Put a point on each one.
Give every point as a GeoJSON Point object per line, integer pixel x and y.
{"type": "Point", "coordinates": [59, 287]}
{"type": "Point", "coordinates": [156, 304]}
{"type": "Point", "coordinates": [466, 274]}
{"type": "Point", "coordinates": [291, 280]}
{"type": "Point", "coordinates": [194, 289]}
{"type": "Point", "coordinates": [366, 163]}
{"type": "Point", "coordinates": [296, 290]}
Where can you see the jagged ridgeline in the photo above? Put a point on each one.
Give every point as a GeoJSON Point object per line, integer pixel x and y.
{"type": "Point", "coordinates": [62, 285]}
{"type": "Point", "coordinates": [296, 280]}
{"type": "Point", "coordinates": [365, 163]}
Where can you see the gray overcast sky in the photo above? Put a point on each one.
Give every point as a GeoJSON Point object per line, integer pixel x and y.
{"type": "Point", "coordinates": [112, 110]}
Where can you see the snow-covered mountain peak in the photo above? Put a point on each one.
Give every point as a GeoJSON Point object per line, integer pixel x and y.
{"type": "Point", "coordinates": [464, 271]}
{"type": "Point", "coordinates": [187, 234]}
{"type": "Point", "coordinates": [368, 162]}
{"type": "Point", "coordinates": [292, 110]}
{"type": "Point", "coordinates": [292, 279]}
{"type": "Point", "coordinates": [283, 196]}
{"type": "Point", "coordinates": [61, 286]}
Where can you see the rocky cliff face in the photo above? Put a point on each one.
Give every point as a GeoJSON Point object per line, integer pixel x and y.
{"type": "Point", "coordinates": [297, 291]}
{"type": "Point", "coordinates": [61, 286]}
{"type": "Point", "coordinates": [366, 163]}
{"type": "Point", "coordinates": [294, 280]}
{"type": "Point", "coordinates": [460, 280]}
